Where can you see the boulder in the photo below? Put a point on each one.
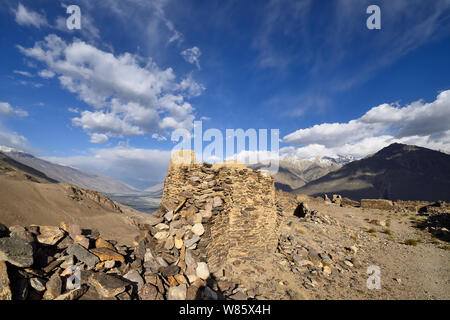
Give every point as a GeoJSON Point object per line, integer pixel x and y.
{"type": "Point", "coordinates": [198, 229]}
{"type": "Point", "coordinates": [5, 290]}
{"type": "Point", "coordinates": [169, 270]}
{"type": "Point", "coordinates": [202, 270]}
{"type": "Point", "coordinates": [105, 254]}
{"type": "Point", "coordinates": [74, 230]}
{"type": "Point", "coordinates": [106, 285]}
{"type": "Point", "coordinates": [82, 240]}
{"type": "Point", "coordinates": [302, 210]}
{"type": "Point", "coordinates": [74, 294]}
{"type": "Point", "coordinates": [16, 251]}
{"type": "Point", "coordinates": [83, 255]}
{"type": "Point", "coordinates": [177, 293]}
{"type": "Point", "coordinates": [49, 235]}
{"type": "Point", "coordinates": [102, 243]}
{"type": "Point", "coordinates": [53, 287]}
{"type": "Point", "coordinates": [135, 277]}
{"type": "Point", "coordinates": [148, 292]}
{"type": "Point", "coordinates": [38, 284]}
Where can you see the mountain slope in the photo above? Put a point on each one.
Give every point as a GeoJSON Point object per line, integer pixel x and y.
{"type": "Point", "coordinates": [29, 197]}
{"type": "Point", "coordinates": [295, 172]}
{"type": "Point", "coordinates": [155, 191]}
{"type": "Point", "coordinates": [397, 172]}
{"type": "Point", "coordinates": [70, 175]}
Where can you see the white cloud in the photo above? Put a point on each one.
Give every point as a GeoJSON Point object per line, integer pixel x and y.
{"type": "Point", "coordinates": [73, 110]}
{"type": "Point", "coordinates": [131, 95]}
{"type": "Point", "coordinates": [122, 162]}
{"type": "Point", "coordinates": [26, 17]}
{"type": "Point", "coordinates": [158, 137]}
{"type": "Point", "coordinates": [109, 123]}
{"type": "Point", "coordinates": [366, 146]}
{"type": "Point", "coordinates": [88, 29]}
{"type": "Point", "coordinates": [46, 74]}
{"type": "Point", "coordinates": [12, 139]}
{"type": "Point", "coordinates": [8, 110]}
{"type": "Point", "coordinates": [99, 138]}
{"type": "Point", "coordinates": [191, 87]}
{"type": "Point", "coordinates": [23, 73]}
{"type": "Point", "coordinates": [424, 124]}
{"type": "Point", "coordinates": [192, 55]}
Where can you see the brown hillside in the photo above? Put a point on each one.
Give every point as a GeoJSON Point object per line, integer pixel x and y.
{"type": "Point", "coordinates": [28, 197]}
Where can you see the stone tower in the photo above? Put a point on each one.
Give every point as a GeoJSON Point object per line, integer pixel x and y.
{"type": "Point", "coordinates": [237, 205]}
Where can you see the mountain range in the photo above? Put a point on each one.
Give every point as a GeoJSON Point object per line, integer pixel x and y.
{"type": "Point", "coordinates": [295, 172]}
{"type": "Point", "coordinates": [83, 179]}
{"type": "Point", "coordinates": [397, 172]}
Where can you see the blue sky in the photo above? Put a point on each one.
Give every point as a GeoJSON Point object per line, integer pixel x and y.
{"type": "Point", "coordinates": [107, 97]}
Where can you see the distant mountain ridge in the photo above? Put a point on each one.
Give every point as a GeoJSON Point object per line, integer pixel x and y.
{"type": "Point", "coordinates": [397, 172]}
{"type": "Point", "coordinates": [156, 190]}
{"type": "Point", "coordinates": [294, 172]}
{"type": "Point", "coordinates": [71, 175]}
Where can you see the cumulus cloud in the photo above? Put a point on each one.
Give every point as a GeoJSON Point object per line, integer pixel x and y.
{"type": "Point", "coordinates": [131, 95]}
{"type": "Point", "coordinates": [191, 87]}
{"type": "Point", "coordinates": [109, 123]}
{"type": "Point", "coordinates": [8, 110]}
{"type": "Point", "coordinates": [10, 138]}
{"type": "Point", "coordinates": [135, 166]}
{"type": "Point", "coordinates": [27, 17]}
{"type": "Point", "coordinates": [420, 123]}
{"type": "Point", "coordinates": [192, 55]}
{"type": "Point", "coordinates": [99, 138]}
{"type": "Point", "coordinates": [46, 74]}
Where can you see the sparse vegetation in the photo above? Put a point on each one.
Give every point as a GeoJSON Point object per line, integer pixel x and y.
{"type": "Point", "coordinates": [435, 241]}
{"type": "Point", "coordinates": [387, 231]}
{"type": "Point", "coordinates": [411, 242]}
{"type": "Point", "coordinates": [372, 230]}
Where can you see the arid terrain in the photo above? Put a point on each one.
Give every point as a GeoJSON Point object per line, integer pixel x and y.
{"type": "Point", "coordinates": [414, 264]}
{"type": "Point", "coordinates": [222, 232]}
{"type": "Point", "coordinates": [29, 197]}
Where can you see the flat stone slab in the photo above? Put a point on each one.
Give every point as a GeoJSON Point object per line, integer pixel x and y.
{"type": "Point", "coordinates": [105, 254]}
{"type": "Point", "coordinates": [50, 235]}
{"type": "Point", "coordinates": [106, 285]}
{"type": "Point", "coordinates": [16, 251]}
{"type": "Point", "coordinates": [83, 255]}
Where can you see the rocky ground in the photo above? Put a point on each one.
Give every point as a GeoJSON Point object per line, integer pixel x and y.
{"type": "Point", "coordinates": [166, 261]}
{"type": "Point", "coordinates": [324, 252]}
{"type": "Point", "coordinates": [330, 249]}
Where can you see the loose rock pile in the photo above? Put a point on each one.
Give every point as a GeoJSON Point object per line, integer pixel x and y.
{"type": "Point", "coordinates": [41, 263]}
{"type": "Point", "coordinates": [438, 220]}
{"type": "Point", "coordinates": [313, 263]}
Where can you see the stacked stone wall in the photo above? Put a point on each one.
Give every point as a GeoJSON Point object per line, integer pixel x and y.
{"type": "Point", "coordinates": [237, 204]}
